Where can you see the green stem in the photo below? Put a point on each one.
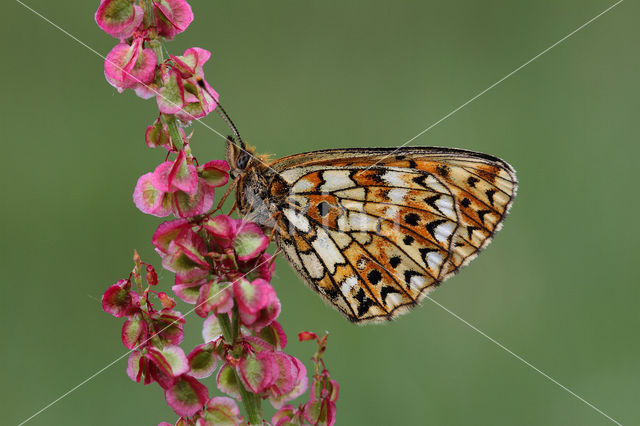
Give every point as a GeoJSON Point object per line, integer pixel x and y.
{"type": "Point", "coordinates": [235, 325]}
{"type": "Point", "coordinates": [251, 402]}
{"type": "Point", "coordinates": [172, 126]}
{"type": "Point", "coordinates": [225, 325]}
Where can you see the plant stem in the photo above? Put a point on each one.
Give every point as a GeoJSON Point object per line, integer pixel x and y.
{"type": "Point", "coordinates": [251, 403]}
{"type": "Point", "coordinates": [235, 325]}
{"type": "Point", "coordinates": [249, 400]}
{"type": "Point", "coordinates": [225, 325]}
{"type": "Point", "coordinates": [174, 132]}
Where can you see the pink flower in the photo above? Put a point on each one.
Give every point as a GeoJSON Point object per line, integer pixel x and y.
{"type": "Point", "coordinates": [214, 297]}
{"type": "Point", "coordinates": [186, 252]}
{"type": "Point", "coordinates": [119, 300]}
{"type": "Point", "coordinates": [203, 361]}
{"type": "Point", "coordinates": [130, 66]}
{"type": "Point", "coordinates": [158, 135]}
{"type": "Point", "coordinates": [186, 396]}
{"type": "Point", "coordinates": [246, 238]}
{"type": "Point", "coordinates": [258, 304]}
{"type": "Point", "coordinates": [185, 92]}
{"type": "Point", "coordinates": [167, 232]}
{"type": "Point", "coordinates": [159, 365]}
{"type": "Point", "coordinates": [176, 186]}
{"type": "Point", "coordinates": [258, 371]}
{"type": "Point", "coordinates": [220, 410]}
{"type": "Point", "coordinates": [168, 325]}
{"type": "Point", "coordinates": [134, 331]}
{"type": "Point", "coordinates": [119, 18]}
{"type": "Point", "coordinates": [172, 17]}
{"type": "Point", "coordinates": [215, 173]}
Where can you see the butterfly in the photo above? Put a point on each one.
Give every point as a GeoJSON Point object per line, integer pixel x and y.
{"type": "Point", "coordinates": [374, 230]}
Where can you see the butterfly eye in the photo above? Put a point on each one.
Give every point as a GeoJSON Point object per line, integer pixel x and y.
{"type": "Point", "coordinates": [243, 160]}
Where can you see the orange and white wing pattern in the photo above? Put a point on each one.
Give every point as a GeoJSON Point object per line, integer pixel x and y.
{"type": "Point", "coordinates": [374, 230]}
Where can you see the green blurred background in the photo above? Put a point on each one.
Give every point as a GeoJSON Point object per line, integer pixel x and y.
{"type": "Point", "coordinates": [558, 286]}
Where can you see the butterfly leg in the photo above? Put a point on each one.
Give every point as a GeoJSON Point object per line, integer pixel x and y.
{"type": "Point", "coordinates": [224, 197]}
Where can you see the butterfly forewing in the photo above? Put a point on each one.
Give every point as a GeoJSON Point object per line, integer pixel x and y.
{"type": "Point", "coordinates": [373, 230]}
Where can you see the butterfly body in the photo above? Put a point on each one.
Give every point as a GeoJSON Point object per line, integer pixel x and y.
{"type": "Point", "coordinates": [373, 230]}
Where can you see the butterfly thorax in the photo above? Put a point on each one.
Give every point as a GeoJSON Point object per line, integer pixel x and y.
{"type": "Point", "coordinates": [252, 177]}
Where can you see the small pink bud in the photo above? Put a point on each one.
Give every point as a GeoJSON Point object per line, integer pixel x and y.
{"type": "Point", "coordinates": [152, 277]}
{"type": "Point", "coordinates": [167, 302]}
{"type": "Point", "coordinates": [306, 335]}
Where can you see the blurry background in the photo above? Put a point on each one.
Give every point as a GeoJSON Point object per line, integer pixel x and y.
{"type": "Point", "coordinates": [558, 286]}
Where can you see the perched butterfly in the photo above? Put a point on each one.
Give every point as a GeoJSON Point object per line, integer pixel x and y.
{"type": "Point", "coordinates": [373, 230]}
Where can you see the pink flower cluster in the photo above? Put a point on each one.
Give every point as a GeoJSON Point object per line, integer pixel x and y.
{"type": "Point", "coordinates": [220, 263]}
{"type": "Point", "coordinates": [213, 261]}
{"type": "Point", "coordinates": [179, 187]}
{"type": "Point", "coordinates": [178, 84]}
{"type": "Point", "coordinates": [321, 407]}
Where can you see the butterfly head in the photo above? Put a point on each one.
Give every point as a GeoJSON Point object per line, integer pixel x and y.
{"type": "Point", "coordinates": [238, 156]}
{"type": "Point", "coordinates": [241, 158]}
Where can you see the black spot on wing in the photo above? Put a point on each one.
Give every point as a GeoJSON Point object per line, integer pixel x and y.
{"type": "Point", "coordinates": [420, 180]}
{"type": "Point", "coordinates": [394, 261]}
{"type": "Point", "coordinates": [408, 274]}
{"type": "Point", "coordinates": [412, 219]}
{"type": "Point", "coordinates": [323, 208]}
{"type": "Point", "coordinates": [386, 290]}
{"type": "Point", "coordinates": [432, 202]}
{"type": "Point", "coordinates": [472, 181]}
{"type": "Point", "coordinates": [442, 170]}
{"type": "Point", "coordinates": [431, 226]}
{"type": "Point", "coordinates": [470, 230]}
{"type": "Point", "coordinates": [490, 193]}
{"type": "Point", "coordinates": [364, 303]}
{"type": "Point", "coordinates": [482, 213]}
{"type": "Point", "coordinates": [424, 252]}
{"type": "Point", "coordinates": [374, 276]}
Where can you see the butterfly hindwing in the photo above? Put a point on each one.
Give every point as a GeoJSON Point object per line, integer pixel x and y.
{"type": "Point", "coordinates": [373, 233]}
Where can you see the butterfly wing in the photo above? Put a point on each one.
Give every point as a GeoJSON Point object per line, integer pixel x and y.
{"type": "Point", "coordinates": [374, 230]}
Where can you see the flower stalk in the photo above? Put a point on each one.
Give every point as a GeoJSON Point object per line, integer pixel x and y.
{"type": "Point", "coordinates": [220, 263]}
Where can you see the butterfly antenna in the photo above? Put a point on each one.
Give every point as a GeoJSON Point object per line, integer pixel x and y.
{"type": "Point", "coordinates": [223, 114]}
